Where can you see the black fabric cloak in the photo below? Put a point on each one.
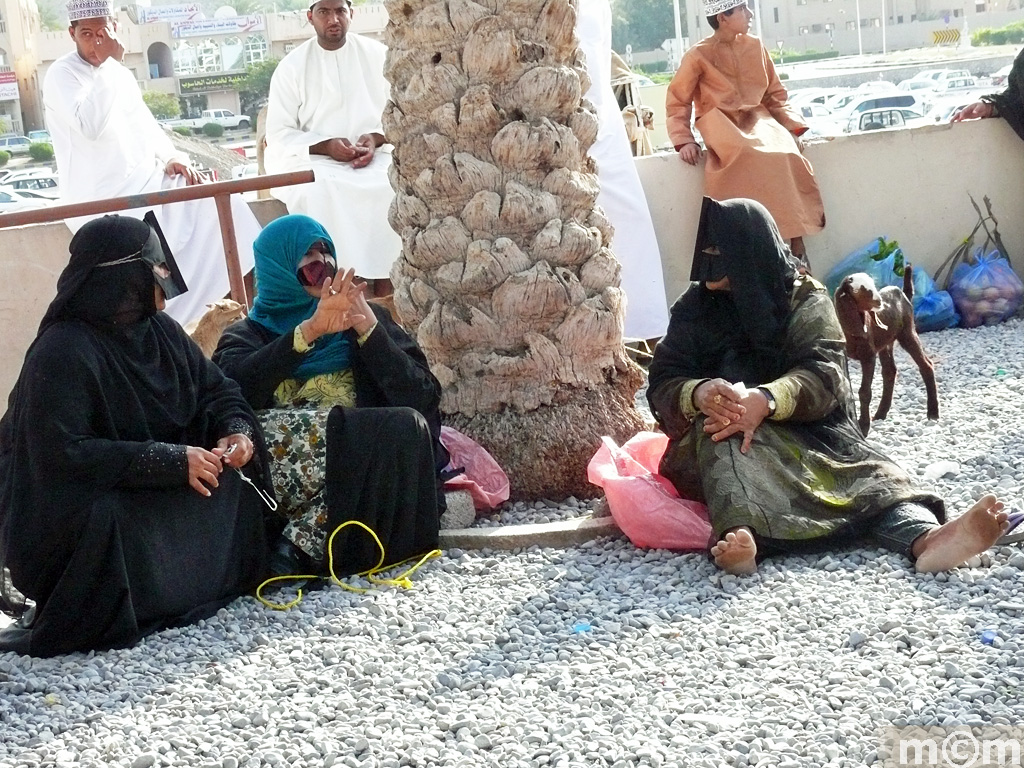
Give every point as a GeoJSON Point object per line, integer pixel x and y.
{"type": "Point", "coordinates": [1010, 102]}
{"type": "Point", "coordinates": [809, 474]}
{"type": "Point", "coordinates": [98, 524]}
{"type": "Point", "coordinates": [384, 456]}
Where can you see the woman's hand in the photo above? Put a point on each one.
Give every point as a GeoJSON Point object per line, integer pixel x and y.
{"type": "Point", "coordinates": [719, 399]}
{"type": "Point", "coordinates": [756, 409]}
{"type": "Point", "coordinates": [234, 450]}
{"type": "Point", "coordinates": [335, 311]}
{"type": "Point", "coordinates": [203, 468]}
{"type": "Point", "coordinates": [690, 153]}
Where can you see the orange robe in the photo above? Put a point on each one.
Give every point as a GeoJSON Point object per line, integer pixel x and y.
{"type": "Point", "coordinates": [748, 130]}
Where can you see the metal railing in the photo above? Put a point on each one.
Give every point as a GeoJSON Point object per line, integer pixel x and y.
{"type": "Point", "coordinates": [220, 191]}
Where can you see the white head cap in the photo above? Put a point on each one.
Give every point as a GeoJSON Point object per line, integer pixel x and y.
{"type": "Point", "coordinates": [715, 7]}
{"type": "Point", "coordinates": [89, 9]}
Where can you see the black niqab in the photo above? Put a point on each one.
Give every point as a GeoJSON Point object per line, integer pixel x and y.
{"type": "Point", "coordinates": [734, 334]}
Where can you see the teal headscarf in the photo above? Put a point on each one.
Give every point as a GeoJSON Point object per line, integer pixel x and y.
{"type": "Point", "coordinates": [281, 300]}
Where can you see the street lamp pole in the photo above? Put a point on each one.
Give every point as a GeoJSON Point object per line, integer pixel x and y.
{"type": "Point", "coordinates": [679, 34]}
{"type": "Point", "coordinates": [860, 42]}
{"type": "Point", "coordinates": [883, 27]}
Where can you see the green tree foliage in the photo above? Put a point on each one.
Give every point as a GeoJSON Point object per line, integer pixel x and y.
{"type": "Point", "coordinates": [1011, 33]}
{"type": "Point", "coordinates": [40, 151]}
{"type": "Point", "coordinates": [213, 130]}
{"type": "Point", "coordinates": [646, 24]}
{"type": "Point", "coordinates": [182, 130]}
{"type": "Point", "coordinates": [4, 157]}
{"type": "Point", "coordinates": [255, 88]}
{"type": "Point", "coordinates": [164, 106]}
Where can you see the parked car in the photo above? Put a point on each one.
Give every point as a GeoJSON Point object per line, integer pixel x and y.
{"type": "Point", "coordinates": [8, 175]}
{"type": "Point", "coordinates": [938, 75]}
{"type": "Point", "coordinates": [820, 120]}
{"type": "Point", "coordinates": [39, 184]}
{"type": "Point", "coordinates": [913, 84]}
{"type": "Point", "coordinates": [224, 117]}
{"type": "Point", "coordinates": [41, 136]}
{"type": "Point", "coordinates": [12, 200]}
{"type": "Point", "coordinates": [896, 100]}
{"type": "Point", "coordinates": [16, 145]}
{"type": "Point", "coordinates": [943, 111]}
{"type": "Point", "coordinates": [804, 96]}
{"type": "Point", "coordinates": [1000, 75]}
{"type": "Point", "coordinates": [883, 119]}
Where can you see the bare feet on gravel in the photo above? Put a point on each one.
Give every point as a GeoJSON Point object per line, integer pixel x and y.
{"type": "Point", "coordinates": [948, 546]}
{"type": "Point", "coordinates": [736, 552]}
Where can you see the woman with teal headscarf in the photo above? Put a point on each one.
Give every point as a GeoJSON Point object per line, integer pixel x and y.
{"type": "Point", "coordinates": [347, 402]}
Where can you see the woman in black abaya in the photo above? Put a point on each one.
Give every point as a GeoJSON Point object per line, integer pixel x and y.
{"type": "Point", "coordinates": [750, 385]}
{"type": "Point", "coordinates": [116, 515]}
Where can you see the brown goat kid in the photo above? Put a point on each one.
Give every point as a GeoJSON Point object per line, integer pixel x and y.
{"type": "Point", "coordinates": [207, 329]}
{"type": "Point", "coordinates": [873, 321]}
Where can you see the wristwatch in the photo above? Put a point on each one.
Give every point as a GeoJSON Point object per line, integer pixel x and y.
{"type": "Point", "coordinates": [771, 400]}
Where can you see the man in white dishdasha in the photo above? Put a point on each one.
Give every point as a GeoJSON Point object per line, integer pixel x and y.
{"type": "Point", "coordinates": [326, 102]}
{"type": "Point", "coordinates": [108, 144]}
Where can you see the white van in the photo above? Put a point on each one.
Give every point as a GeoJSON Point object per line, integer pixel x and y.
{"type": "Point", "coordinates": [900, 100]}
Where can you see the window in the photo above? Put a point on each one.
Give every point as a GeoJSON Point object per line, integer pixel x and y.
{"type": "Point", "coordinates": [980, 6]}
{"type": "Point", "coordinates": [804, 30]}
{"type": "Point", "coordinates": [851, 25]}
{"type": "Point", "coordinates": [231, 53]}
{"type": "Point", "coordinates": [184, 59]}
{"type": "Point", "coordinates": [776, 10]}
{"type": "Point", "coordinates": [255, 49]}
{"type": "Point", "coordinates": [801, 2]}
{"type": "Point", "coordinates": [899, 19]}
{"type": "Point", "coordinates": [817, 28]}
{"type": "Point", "coordinates": [208, 56]}
{"type": "Point", "coordinates": [957, 13]}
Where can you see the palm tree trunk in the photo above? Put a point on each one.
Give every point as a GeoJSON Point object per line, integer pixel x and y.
{"type": "Point", "coordinates": [505, 276]}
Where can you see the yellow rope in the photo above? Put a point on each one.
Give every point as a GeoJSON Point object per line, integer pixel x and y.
{"type": "Point", "coordinates": [402, 580]}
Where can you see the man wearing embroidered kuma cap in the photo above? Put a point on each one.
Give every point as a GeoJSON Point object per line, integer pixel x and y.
{"type": "Point", "coordinates": [749, 130]}
{"type": "Point", "coordinates": [327, 98]}
{"type": "Point", "coordinates": [108, 144]}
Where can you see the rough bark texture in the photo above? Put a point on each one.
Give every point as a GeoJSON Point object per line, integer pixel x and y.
{"type": "Point", "coordinates": [505, 276]}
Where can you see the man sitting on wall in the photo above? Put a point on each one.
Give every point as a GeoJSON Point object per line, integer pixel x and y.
{"type": "Point", "coordinates": [108, 144]}
{"type": "Point", "coordinates": [1008, 105]}
{"type": "Point", "coordinates": [326, 101]}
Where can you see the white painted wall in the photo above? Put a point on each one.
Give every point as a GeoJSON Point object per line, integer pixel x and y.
{"type": "Point", "coordinates": [908, 185]}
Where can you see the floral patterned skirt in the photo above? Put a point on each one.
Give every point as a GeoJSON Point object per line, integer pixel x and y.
{"type": "Point", "coordinates": [297, 440]}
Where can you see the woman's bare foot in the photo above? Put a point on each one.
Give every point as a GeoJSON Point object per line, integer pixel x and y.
{"type": "Point", "coordinates": [949, 545]}
{"type": "Point", "coordinates": [736, 552]}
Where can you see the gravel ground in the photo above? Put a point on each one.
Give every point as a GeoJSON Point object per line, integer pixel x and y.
{"type": "Point", "coordinates": [602, 655]}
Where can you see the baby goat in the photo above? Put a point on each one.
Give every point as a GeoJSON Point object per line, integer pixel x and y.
{"type": "Point", "coordinates": [207, 329]}
{"type": "Point", "coordinates": [873, 321]}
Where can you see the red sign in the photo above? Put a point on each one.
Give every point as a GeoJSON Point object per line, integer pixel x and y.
{"type": "Point", "coordinates": [8, 86]}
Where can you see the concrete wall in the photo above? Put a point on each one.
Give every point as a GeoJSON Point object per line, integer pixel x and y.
{"type": "Point", "coordinates": [907, 185]}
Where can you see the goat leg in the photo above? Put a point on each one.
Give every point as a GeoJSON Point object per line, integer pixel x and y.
{"type": "Point", "coordinates": [912, 343]}
{"type": "Point", "coordinates": [888, 382]}
{"type": "Point", "coordinates": [867, 374]}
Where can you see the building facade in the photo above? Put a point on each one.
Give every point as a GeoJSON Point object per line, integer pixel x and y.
{"type": "Point", "coordinates": [20, 105]}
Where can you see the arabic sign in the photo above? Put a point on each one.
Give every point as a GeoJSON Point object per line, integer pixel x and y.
{"type": "Point", "coordinates": [231, 26]}
{"type": "Point", "coordinates": [210, 83]}
{"type": "Point", "coordinates": [8, 86]}
{"type": "Point", "coordinates": [188, 12]}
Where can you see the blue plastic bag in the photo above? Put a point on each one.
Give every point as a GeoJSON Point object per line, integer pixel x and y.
{"type": "Point", "coordinates": [935, 312]}
{"type": "Point", "coordinates": [987, 291]}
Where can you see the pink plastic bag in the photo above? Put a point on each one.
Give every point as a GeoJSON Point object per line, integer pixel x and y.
{"type": "Point", "coordinates": [644, 504]}
{"type": "Point", "coordinates": [485, 480]}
